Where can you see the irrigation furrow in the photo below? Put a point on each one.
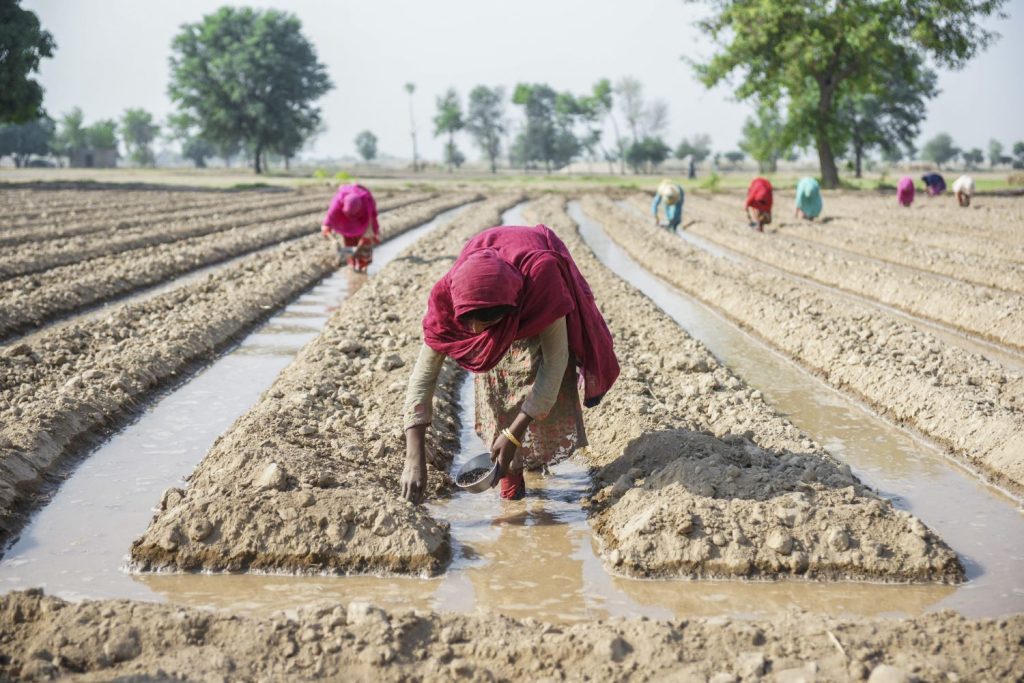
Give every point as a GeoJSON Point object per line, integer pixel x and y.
{"type": "Point", "coordinates": [970, 405]}
{"type": "Point", "coordinates": [685, 444]}
{"type": "Point", "coordinates": [34, 300]}
{"type": "Point", "coordinates": [989, 314]}
{"type": "Point", "coordinates": [72, 384]}
{"type": "Point", "coordinates": [324, 444]}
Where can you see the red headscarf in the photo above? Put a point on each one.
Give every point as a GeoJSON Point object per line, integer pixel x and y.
{"type": "Point", "coordinates": [532, 270]}
{"type": "Point", "coordinates": [759, 195]}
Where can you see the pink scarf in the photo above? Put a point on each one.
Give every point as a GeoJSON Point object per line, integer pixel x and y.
{"type": "Point", "coordinates": [352, 210]}
{"type": "Point", "coordinates": [531, 269]}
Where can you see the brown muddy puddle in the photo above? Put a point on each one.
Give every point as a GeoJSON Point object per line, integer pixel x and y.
{"type": "Point", "coordinates": [531, 558]}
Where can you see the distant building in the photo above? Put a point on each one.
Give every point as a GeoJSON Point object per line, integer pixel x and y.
{"type": "Point", "coordinates": [93, 158]}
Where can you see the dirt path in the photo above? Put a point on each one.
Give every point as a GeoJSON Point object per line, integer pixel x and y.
{"type": "Point", "coordinates": [968, 404]}
{"type": "Point", "coordinates": [307, 480]}
{"type": "Point", "coordinates": [44, 637]}
{"type": "Point", "coordinates": [701, 478]}
{"type": "Point", "coordinates": [33, 300]}
{"type": "Point", "coordinates": [71, 384]}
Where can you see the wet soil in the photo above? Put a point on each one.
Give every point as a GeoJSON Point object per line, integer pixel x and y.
{"type": "Point", "coordinates": [472, 476]}
{"type": "Point", "coordinates": [68, 387]}
{"type": "Point", "coordinates": [43, 637]}
{"type": "Point", "coordinates": [306, 481]}
{"type": "Point", "coordinates": [967, 403]}
{"type": "Point", "coordinates": [702, 479]}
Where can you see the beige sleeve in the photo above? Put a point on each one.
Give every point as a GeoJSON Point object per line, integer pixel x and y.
{"type": "Point", "coordinates": [419, 396]}
{"type": "Point", "coordinates": [554, 358]}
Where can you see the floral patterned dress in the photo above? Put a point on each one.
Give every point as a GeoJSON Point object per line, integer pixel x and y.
{"type": "Point", "coordinates": [501, 391]}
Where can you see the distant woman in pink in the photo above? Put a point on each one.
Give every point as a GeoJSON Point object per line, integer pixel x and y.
{"type": "Point", "coordinates": [905, 191]}
{"type": "Point", "coordinates": [353, 215]}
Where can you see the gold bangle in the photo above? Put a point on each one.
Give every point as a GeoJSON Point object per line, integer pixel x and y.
{"type": "Point", "coordinates": [507, 433]}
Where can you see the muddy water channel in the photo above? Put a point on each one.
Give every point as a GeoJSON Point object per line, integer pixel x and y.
{"type": "Point", "coordinates": [531, 558]}
{"type": "Point", "coordinates": [982, 524]}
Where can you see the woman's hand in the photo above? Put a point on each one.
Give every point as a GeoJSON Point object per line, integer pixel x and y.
{"type": "Point", "coordinates": [414, 475]}
{"type": "Point", "coordinates": [502, 452]}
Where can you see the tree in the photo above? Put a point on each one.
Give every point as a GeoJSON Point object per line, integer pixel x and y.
{"type": "Point", "coordinates": [551, 119]}
{"type": "Point", "coordinates": [71, 135]}
{"type": "Point", "coordinates": [449, 121]}
{"type": "Point", "coordinates": [452, 155]}
{"type": "Point", "coordinates": [939, 150]}
{"type": "Point", "coordinates": [600, 106]}
{"type": "Point", "coordinates": [21, 140]}
{"type": "Point", "coordinates": [735, 157]}
{"type": "Point", "coordinates": [138, 131]}
{"type": "Point", "coordinates": [890, 119]}
{"type": "Point", "coordinates": [23, 44]}
{"type": "Point", "coordinates": [972, 158]}
{"type": "Point", "coordinates": [366, 143]}
{"type": "Point", "coordinates": [630, 92]}
{"type": "Point", "coordinates": [764, 139]}
{"type": "Point", "coordinates": [102, 135]}
{"type": "Point", "coordinates": [197, 150]}
{"type": "Point", "coordinates": [647, 154]}
{"type": "Point", "coordinates": [1018, 155]}
{"type": "Point", "coordinates": [697, 149]}
{"type": "Point", "coordinates": [485, 120]}
{"type": "Point", "coordinates": [410, 88]}
{"type": "Point", "coordinates": [995, 152]}
{"type": "Point", "coordinates": [248, 78]}
{"type": "Point", "coordinates": [810, 53]}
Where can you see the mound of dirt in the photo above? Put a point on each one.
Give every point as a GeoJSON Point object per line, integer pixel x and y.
{"type": "Point", "coordinates": [44, 637]}
{"type": "Point", "coordinates": [684, 503]}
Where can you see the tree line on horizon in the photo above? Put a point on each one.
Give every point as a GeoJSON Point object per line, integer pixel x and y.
{"type": "Point", "coordinates": [842, 79]}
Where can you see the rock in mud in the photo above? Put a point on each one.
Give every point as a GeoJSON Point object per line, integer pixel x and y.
{"type": "Point", "coordinates": [272, 477]}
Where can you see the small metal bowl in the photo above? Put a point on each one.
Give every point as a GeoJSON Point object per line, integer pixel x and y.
{"type": "Point", "coordinates": [485, 482]}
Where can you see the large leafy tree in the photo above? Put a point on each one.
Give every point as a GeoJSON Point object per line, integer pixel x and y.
{"type": "Point", "coordinates": [139, 130]}
{"type": "Point", "coordinates": [21, 140]}
{"type": "Point", "coordinates": [449, 121]}
{"type": "Point", "coordinates": [889, 119]}
{"type": "Point", "coordinates": [23, 44]}
{"type": "Point", "coordinates": [485, 120]}
{"type": "Point", "coordinates": [995, 152]}
{"type": "Point", "coordinates": [811, 53]}
{"type": "Point", "coordinates": [249, 78]}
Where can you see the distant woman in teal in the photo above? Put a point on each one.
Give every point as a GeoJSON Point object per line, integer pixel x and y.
{"type": "Point", "coordinates": [808, 198]}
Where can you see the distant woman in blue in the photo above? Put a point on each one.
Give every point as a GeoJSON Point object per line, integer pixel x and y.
{"type": "Point", "coordinates": [935, 183]}
{"type": "Point", "coordinates": [808, 198]}
{"type": "Point", "coordinates": [672, 195]}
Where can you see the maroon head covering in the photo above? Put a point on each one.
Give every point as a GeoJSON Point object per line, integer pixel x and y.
{"type": "Point", "coordinates": [532, 270]}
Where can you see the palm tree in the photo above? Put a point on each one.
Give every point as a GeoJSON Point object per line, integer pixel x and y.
{"type": "Point", "coordinates": [411, 88]}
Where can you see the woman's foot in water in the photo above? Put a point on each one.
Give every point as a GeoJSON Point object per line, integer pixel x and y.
{"type": "Point", "coordinates": [513, 486]}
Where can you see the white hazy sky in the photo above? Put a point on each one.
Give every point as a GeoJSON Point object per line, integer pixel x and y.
{"type": "Point", "coordinates": [113, 54]}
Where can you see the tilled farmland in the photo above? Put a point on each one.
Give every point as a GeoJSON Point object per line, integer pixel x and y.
{"type": "Point", "coordinates": [110, 298]}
